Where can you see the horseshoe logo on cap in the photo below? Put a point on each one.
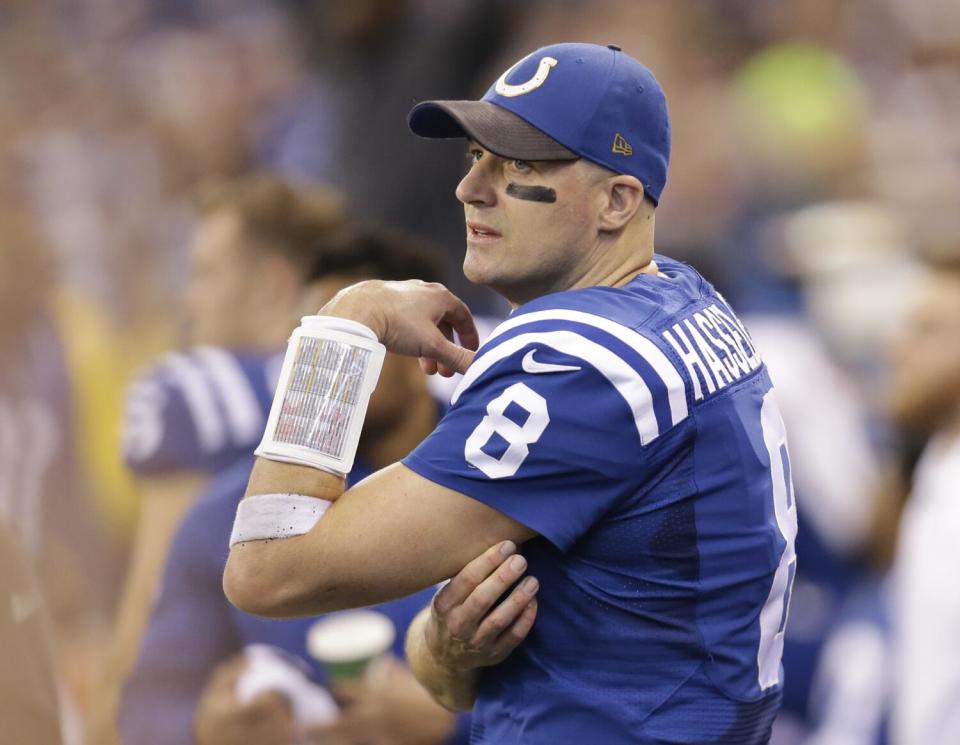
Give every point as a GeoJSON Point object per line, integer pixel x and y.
{"type": "Point", "coordinates": [538, 79]}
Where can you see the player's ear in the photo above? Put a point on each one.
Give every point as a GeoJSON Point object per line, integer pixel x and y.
{"type": "Point", "coordinates": [623, 198]}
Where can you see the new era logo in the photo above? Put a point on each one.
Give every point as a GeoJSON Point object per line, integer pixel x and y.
{"type": "Point", "coordinates": [621, 146]}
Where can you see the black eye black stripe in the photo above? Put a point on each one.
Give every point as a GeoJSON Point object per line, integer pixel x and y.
{"type": "Point", "coordinates": [532, 193]}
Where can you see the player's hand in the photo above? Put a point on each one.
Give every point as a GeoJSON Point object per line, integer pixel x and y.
{"type": "Point", "coordinates": [387, 707]}
{"type": "Point", "coordinates": [414, 318]}
{"type": "Point", "coordinates": [467, 628]}
{"type": "Point", "coordinates": [222, 720]}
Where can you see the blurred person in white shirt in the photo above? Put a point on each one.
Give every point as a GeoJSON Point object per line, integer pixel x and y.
{"type": "Point", "coordinates": [925, 394]}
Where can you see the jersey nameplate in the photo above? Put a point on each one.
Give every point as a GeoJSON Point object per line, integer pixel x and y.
{"type": "Point", "coordinates": [715, 347]}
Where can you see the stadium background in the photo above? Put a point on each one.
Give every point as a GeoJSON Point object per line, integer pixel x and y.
{"type": "Point", "coordinates": [816, 160]}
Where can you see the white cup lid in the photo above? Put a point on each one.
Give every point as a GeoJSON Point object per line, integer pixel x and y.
{"type": "Point", "coordinates": [351, 635]}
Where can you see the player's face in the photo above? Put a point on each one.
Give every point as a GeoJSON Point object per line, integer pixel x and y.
{"type": "Point", "coordinates": [925, 358]}
{"type": "Point", "coordinates": [530, 225]}
{"type": "Point", "coordinates": [222, 288]}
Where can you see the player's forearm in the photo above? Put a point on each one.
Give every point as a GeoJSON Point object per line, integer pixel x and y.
{"type": "Point", "coordinates": [454, 690]}
{"type": "Point", "coordinates": [388, 536]}
{"type": "Point", "coordinates": [268, 577]}
{"type": "Point", "coordinates": [274, 477]}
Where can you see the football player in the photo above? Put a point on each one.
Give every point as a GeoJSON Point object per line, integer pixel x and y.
{"type": "Point", "coordinates": [621, 424]}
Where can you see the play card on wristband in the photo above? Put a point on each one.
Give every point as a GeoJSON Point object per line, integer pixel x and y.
{"type": "Point", "coordinates": [329, 373]}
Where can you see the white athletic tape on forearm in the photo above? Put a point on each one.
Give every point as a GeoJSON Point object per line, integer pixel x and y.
{"type": "Point", "coordinates": [276, 516]}
{"type": "Point", "coordinates": [329, 372]}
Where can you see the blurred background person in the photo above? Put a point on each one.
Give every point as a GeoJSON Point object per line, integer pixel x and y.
{"type": "Point", "coordinates": [888, 673]}
{"type": "Point", "coordinates": [264, 254]}
{"type": "Point", "coordinates": [31, 679]}
{"type": "Point", "coordinates": [925, 395]}
{"type": "Point", "coordinates": [197, 412]}
{"type": "Point", "coordinates": [29, 690]}
{"type": "Point", "coordinates": [58, 553]}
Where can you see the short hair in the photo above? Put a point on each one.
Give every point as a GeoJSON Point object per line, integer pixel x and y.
{"type": "Point", "coordinates": [296, 223]}
{"type": "Point", "coordinates": [309, 227]}
{"type": "Point", "coordinates": [382, 253]}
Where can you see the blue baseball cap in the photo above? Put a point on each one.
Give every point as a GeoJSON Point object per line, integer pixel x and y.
{"type": "Point", "coordinates": [563, 102]}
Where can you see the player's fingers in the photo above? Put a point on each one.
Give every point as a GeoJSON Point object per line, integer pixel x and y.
{"type": "Point", "coordinates": [450, 355]}
{"type": "Point", "coordinates": [446, 372]}
{"type": "Point", "coordinates": [428, 366]}
{"type": "Point", "coordinates": [506, 613]}
{"type": "Point", "coordinates": [513, 636]}
{"type": "Point", "coordinates": [447, 330]}
{"type": "Point", "coordinates": [459, 588]}
{"type": "Point", "coordinates": [458, 316]}
{"type": "Point", "coordinates": [465, 618]}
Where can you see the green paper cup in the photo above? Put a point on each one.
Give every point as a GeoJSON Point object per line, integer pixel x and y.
{"type": "Point", "coordinates": [346, 643]}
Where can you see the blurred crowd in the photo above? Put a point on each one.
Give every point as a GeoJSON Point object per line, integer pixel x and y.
{"type": "Point", "coordinates": [814, 180]}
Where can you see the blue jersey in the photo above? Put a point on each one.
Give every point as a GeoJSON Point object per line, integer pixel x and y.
{"type": "Point", "coordinates": [635, 430]}
{"type": "Point", "coordinates": [198, 410]}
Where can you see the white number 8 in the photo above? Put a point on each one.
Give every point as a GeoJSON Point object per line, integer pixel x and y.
{"type": "Point", "coordinates": [773, 617]}
{"type": "Point", "coordinates": [518, 437]}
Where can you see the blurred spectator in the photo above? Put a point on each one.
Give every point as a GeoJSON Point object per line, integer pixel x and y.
{"type": "Point", "coordinates": [817, 341]}
{"type": "Point", "coordinates": [43, 501]}
{"type": "Point", "coordinates": [29, 695]}
{"type": "Point", "coordinates": [263, 255]}
{"type": "Point", "coordinates": [902, 621]}
{"type": "Point", "coordinates": [196, 413]}
{"type": "Point", "coordinates": [31, 439]}
{"type": "Point", "coordinates": [925, 393]}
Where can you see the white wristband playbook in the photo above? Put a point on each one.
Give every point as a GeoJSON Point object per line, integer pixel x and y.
{"type": "Point", "coordinates": [329, 373]}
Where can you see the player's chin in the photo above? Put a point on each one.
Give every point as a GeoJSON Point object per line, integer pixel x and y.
{"type": "Point", "coordinates": [477, 268]}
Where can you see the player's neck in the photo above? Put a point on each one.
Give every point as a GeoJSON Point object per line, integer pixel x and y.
{"type": "Point", "coordinates": [396, 440]}
{"type": "Point", "coordinates": [616, 260]}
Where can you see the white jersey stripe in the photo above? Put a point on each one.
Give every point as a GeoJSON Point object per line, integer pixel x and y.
{"type": "Point", "coordinates": [624, 378]}
{"type": "Point", "coordinates": [199, 397]}
{"type": "Point", "coordinates": [676, 389]}
{"type": "Point", "coordinates": [240, 403]}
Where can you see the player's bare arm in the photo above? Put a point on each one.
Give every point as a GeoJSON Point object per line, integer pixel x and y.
{"type": "Point", "coordinates": [466, 628]}
{"type": "Point", "coordinates": [393, 533]}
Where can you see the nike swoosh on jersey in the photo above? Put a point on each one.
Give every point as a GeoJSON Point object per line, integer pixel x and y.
{"type": "Point", "coordinates": [530, 365]}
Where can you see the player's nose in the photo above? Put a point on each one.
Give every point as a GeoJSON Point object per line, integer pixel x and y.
{"type": "Point", "coordinates": [475, 187]}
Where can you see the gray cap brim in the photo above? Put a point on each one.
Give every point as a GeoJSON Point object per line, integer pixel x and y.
{"type": "Point", "coordinates": [496, 129]}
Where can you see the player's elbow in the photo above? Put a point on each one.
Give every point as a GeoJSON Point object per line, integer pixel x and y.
{"type": "Point", "coordinates": [250, 587]}
{"type": "Point", "coordinates": [257, 584]}
{"type": "Point", "coordinates": [240, 583]}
